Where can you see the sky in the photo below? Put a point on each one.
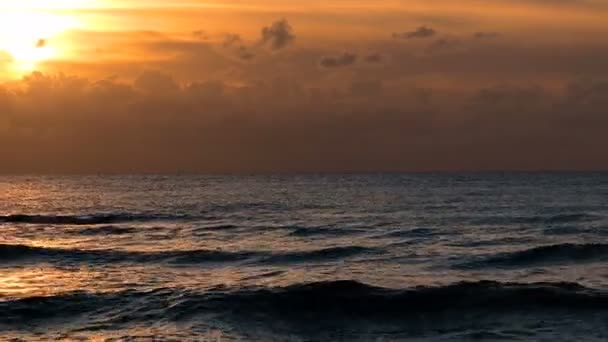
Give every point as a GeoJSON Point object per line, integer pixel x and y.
{"type": "Point", "coordinates": [130, 86]}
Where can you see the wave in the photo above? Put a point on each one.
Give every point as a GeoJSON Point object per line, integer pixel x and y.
{"type": "Point", "coordinates": [508, 240]}
{"type": "Point", "coordinates": [19, 253]}
{"type": "Point", "coordinates": [333, 300]}
{"type": "Point", "coordinates": [326, 254]}
{"type": "Point", "coordinates": [560, 253]}
{"type": "Point", "coordinates": [539, 219]}
{"type": "Point", "coordinates": [567, 218]}
{"type": "Point", "coordinates": [322, 231]}
{"type": "Point", "coordinates": [13, 253]}
{"type": "Point", "coordinates": [89, 219]}
{"type": "Point", "coordinates": [106, 230]}
{"type": "Point", "coordinates": [353, 297]}
{"type": "Point", "coordinates": [219, 227]}
{"type": "Point", "coordinates": [576, 230]}
{"type": "Point", "coordinates": [410, 233]}
{"type": "Point", "coordinates": [240, 207]}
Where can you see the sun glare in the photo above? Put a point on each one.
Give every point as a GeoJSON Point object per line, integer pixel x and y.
{"type": "Point", "coordinates": [27, 32]}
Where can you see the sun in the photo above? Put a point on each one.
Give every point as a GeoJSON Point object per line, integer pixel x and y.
{"type": "Point", "coordinates": [27, 34]}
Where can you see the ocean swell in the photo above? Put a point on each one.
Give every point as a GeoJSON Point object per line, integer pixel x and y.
{"type": "Point", "coordinates": [20, 253]}
{"type": "Point", "coordinates": [538, 219]}
{"type": "Point", "coordinates": [334, 300]}
{"type": "Point", "coordinates": [89, 219]}
{"type": "Point", "coordinates": [551, 254]}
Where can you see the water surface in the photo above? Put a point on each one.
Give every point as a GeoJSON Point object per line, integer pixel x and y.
{"type": "Point", "coordinates": [382, 257]}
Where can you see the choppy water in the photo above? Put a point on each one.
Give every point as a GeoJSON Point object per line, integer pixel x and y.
{"type": "Point", "coordinates": [305, 258]}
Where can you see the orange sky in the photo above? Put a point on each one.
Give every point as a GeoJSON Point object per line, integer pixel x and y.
{"type": "Point", "coordinates": [99, 31]}
{"type": "Point", "coordinates": [264, 69]}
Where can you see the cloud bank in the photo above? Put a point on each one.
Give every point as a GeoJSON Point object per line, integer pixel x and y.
{"type": "Point", "coordinates": [156, 124]}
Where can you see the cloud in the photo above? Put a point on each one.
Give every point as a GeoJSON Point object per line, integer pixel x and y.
{"type": "Point", "coordinates": [346, 59]}
{"type": "Point", "coordinates": [444, 44]}
{"type": "Point", "coordinates": [514, 60]}
{"type": "Point", "coordinates": [182, 103]}
{"type": "Point", "coordinates": [40, 43]}
{"type": "Point", "coordinates": [236, 45]}
{"type": "Point", "coordinates": [421, 32]}
{"type": "Point", "coordinates": [243, 53]}
{"type": "Point", "coordinates": [156, 124]}
{"type": "Point", "coordinates": [366, 88]}
{"type": "Point", "coordinates": [200, 34]}
{"type": "Point", "coordinates": [486, 35]}
{"type": "Point", "coordinates": [156, 82]}
{"type": "Point", "coordinates": [278, 35]}
{"type": "Point", "coordinates": [232, 39]}
{"type": "Point", "coordinates": [374, 58]}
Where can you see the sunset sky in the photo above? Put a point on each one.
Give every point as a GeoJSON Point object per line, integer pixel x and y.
{"type": "Point", "coordinates": [289, 86]}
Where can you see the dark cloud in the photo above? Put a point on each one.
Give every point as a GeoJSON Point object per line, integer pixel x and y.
{"type": "Point", "coordinates": [232, 39]}
{"type": "Point", "coordinates": [486, 35]}
{"type": "Point", "coordinates": [244, 53]}
{"type": "Point", "coordinates": [374, 58]}
{"type": "Point", "coordinates": [155, 124]}
{"type": "Point", "coordinates": [421, 32]}
{"type": "Point", "coordinates": [510, 100]}
{"type": "Point", "coordinates": [200, 34]}
{"type": "Point", "coordinates": [346, 59]}
{"type": "Point", "coordinates": [40, 43]}
{"type": "Point", "coordinates": [366, 88]}
{"type": "Point", "coordinates": [278, 35]}
{"type": "Point", "coordinates": [234, 43]}
{"type": "Point", "coordinates": [156, 82]}
{"type": "Point", "coordinates": [443, 44]}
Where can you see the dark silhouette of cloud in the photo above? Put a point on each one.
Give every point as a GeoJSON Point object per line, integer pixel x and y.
{"type": "Point", "coordinates": [232, 39]}
{"type": "Point", "coordinates": [374, 58]}
{"type": "Point", "coordinates": [278, 35]}
{"type": "Point", "coordinates": [156, 124]}
{"type": "Point", "coordinates": [236, 45]}
{"type": "Point", "coordinates": [156, 82]}
{"type": "Point", "coordinates": [244, 53]}
{"type": "Point", "coordinates": [486, 35]}
{"type": "Point", "coordinates": [421, 32]}
{"type": "Point", "coordinates": [366, 88]}
{"type": "Point", "coordinates": [444, 44]}
{"type": "Point", "coordinates": [200, 34]}
{"type": "Point", "coordinates": [346, 59]}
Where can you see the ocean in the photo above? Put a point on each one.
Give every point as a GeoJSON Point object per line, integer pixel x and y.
{"type": "Point", "coordinates": [361, 257]}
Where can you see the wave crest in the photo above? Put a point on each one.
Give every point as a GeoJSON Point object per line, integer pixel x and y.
{"type": "Point", "coordinates": [551, 220]}
{"type": "Point", "coordinates": [333, 299]}
{"type": "Point", "coordinates": [12, 253]}
{"type": "Point", "coordinates": [88, 219]}
{"type": "Point", "coordinates": [560, 253]}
